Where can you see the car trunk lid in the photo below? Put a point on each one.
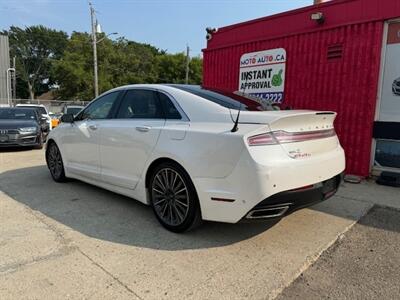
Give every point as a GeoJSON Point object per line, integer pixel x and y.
{"type": "Point", "coordinates": [301, 134]}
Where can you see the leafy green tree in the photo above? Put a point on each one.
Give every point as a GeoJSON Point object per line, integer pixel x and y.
{"type": "Point", "coordinates": [196, 70]}
{"type": "Point", "coordinates": [171, 68]}
{"type": "Point", "coordinates": [49, 59]}
{"type": "Point", "coordinates": [120, 62]}
{"type": "Point", "coordinates": [35, 48]}
{"type": "Point", "coordinates": [73, 72]}
{"type": "Point", "coordinates": [126, 62]}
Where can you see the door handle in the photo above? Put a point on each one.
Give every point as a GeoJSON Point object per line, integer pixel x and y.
{"type": "Point", "coordinates": [143, 128]}
{"type": "Point", "coordinates": [93, 127]}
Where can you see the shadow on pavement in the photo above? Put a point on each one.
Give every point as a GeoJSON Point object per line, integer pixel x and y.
{"type": "Point", "coordinates": [15, 149]}
{"type": "Point", "coordinates": [108, 216]}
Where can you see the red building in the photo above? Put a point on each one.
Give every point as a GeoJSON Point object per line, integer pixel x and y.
{"type": "Point", "coordinates": [340, 56]}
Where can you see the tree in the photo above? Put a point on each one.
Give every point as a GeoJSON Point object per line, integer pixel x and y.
{"type": "Point", "coordinates": [120, 62]}
{"type": "Point", "coordinates": [196, 70]}
{"type": "Point", "coordinates": [73, 71]}
{"type": "Point", "coordinates": [35, 48]}
{"type": "Point", "coordinates": [49, 59]}
{"type": "Point", "coordinates": [171, 68]}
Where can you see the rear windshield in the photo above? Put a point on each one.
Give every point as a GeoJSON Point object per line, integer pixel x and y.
{"type": "Point", "coordinates": [226, 99]}
{"type": "Point", "coordinates": [17, 114]}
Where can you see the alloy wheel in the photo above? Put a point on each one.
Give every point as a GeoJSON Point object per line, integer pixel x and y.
{"type": "Point", "coordinates": [54, 161]}
{"type": "Point", "coordinates": [170, 197]}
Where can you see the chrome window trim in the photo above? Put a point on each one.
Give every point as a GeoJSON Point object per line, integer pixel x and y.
{"type": "Point", "coordinates": [177, 106]}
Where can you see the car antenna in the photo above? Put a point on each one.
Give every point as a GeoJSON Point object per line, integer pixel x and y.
{"type": "Point", "coordinates": [236, 125]}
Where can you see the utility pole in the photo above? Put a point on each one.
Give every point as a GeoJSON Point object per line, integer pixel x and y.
{"type": "Point", "coordinates": [94, 43]}
{"type": "Point", "coordinates": [187, 64]}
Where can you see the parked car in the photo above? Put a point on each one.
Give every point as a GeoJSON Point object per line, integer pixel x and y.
{"type": "Point", "coordinates": [396, 87]}
{"type": "Point", "coordinates": [22, 127]}
{"type": "Point", "coordinates": [72, 109]}
{"type": "Point", "coordinates": [55, 119]}
{"type": "Point", "coordinates": [196, 154]}
{"type": "Point", "coordinates": [42, 109]}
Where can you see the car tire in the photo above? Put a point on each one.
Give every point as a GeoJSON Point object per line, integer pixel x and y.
{"type": "Point", "coordinates": [55, 163]}
{"type": "Point", "coordinates": [173, 198]}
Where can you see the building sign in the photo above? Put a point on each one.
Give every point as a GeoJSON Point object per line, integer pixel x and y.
{"type": "Point", "coordinates": [262, 74]}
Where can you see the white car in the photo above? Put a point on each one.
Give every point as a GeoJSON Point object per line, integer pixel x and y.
{"type": "Point", "coordinates": [42, 109]}
{"type": "Point", "coordinates": [194, 154]}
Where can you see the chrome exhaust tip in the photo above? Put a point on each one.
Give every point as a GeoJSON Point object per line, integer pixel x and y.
{"type": "Point", "coordinates": [267, 212]}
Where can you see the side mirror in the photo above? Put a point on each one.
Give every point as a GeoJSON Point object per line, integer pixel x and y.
{"type": "Point", "coordinates": [67, 118]}
{"type": "Point", "coordinates": [43, 119]}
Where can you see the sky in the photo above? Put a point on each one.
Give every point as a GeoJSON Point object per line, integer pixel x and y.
{"type": "Point", "coordinates": [166, 24]}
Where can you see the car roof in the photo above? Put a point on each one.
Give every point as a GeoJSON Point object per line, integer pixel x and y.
{"type": "Point", "coordinates": [20, 109]}
{"type": "Point", "coordinates": [199, 110]}
{"type": "Point", "coordinates": [149, 85]}
{"type": "Point", "coordinates": [32, 105]}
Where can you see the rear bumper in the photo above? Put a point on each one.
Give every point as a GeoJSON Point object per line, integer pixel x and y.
{"type": "Point", "coordinates": [252, 184]}
{"type": "Point", "coordinates": [285, 203]}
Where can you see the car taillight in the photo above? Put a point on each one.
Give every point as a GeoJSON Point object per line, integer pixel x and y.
{"type": "Point", "coordinates": [262, 139]}
{"type": "Point", "coordinates": [272, 138]}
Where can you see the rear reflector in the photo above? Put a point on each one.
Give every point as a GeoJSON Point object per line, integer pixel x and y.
{"type": "Point", "coordinates": [273, 138]}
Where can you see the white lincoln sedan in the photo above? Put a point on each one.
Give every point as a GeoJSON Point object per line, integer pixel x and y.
{"type": "Point", "coordinates": [196, 154]}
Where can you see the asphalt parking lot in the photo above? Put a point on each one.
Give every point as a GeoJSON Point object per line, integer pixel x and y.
{"type": "Point", "coordinates": [363, 264]}
{"type": "Point", "coordinates": [74, 240]}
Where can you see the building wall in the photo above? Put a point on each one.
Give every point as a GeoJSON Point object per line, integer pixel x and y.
{"type": "Point", "coordinates": [336, 13]}
{"type": "Point", "coordinates": [347, 85]}
{"type": "Point", "coordinates": [4, 65]}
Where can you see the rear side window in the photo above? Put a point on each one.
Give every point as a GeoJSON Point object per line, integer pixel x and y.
{"type": "Point", "coordinates": [224, 98]}
{"type": "Point", "coordinates": [140, 104]}
{"type": "Point", "coordinates": [171, 112]}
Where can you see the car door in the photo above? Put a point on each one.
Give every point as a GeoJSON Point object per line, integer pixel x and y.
{"type": "Point", "coordinates": [81, 140]}
{"type": "Point", "coordinates": [127, 141]}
